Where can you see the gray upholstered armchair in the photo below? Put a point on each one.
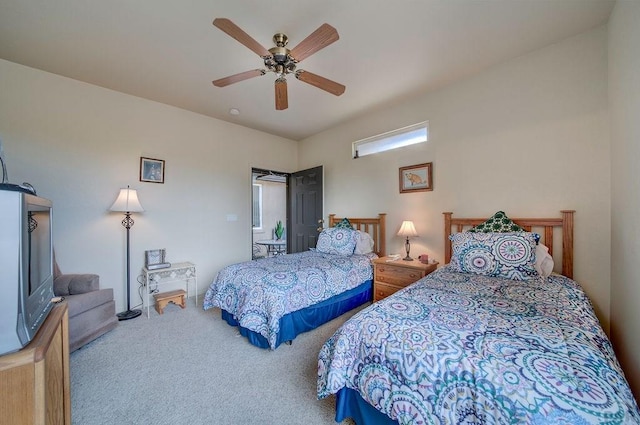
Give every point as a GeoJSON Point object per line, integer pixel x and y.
{"type": "Point", "coordinates": [92, 311]}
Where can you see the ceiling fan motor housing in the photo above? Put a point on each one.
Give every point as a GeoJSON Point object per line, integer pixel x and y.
{"type": "Point", "coordinates": [280, 60]}
{"type": "Point", "coordinates": [280, 54]}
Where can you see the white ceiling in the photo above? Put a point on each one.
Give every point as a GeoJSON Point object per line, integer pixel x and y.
{"type": "Point", "coordinates": [169, 51]}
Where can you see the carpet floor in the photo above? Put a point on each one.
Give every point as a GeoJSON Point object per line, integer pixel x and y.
{"type": "Point", "coordinates": [187, 366]}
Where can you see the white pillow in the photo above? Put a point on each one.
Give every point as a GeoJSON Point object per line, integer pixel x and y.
{"type": "Point", "coordinates": [364, 243]}
{"type": "Point", "coordinates": [544, 262]}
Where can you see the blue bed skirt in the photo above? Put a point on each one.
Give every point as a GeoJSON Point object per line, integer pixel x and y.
{"type": "Point", "coordinates": [308, 318]}
{"type": "Point", "coordinates": [349, 404]}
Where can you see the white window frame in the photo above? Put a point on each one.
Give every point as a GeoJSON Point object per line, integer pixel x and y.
{"type": "Point", "coordinates": [395, 139]}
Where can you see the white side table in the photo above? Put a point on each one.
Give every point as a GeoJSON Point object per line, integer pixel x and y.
{"type": "Point", "coordinates": [177, 272]}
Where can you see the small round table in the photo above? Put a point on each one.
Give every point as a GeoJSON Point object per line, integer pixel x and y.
{"type": "Point", "coordinates": [274, 246]}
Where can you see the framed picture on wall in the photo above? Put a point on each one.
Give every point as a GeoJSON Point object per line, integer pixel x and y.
{"type": "Point", "coordinates": [416, 178]}
{"type": "Point", "coordinates": [151, 170]}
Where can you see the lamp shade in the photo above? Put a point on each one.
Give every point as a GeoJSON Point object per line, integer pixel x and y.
{"type": "Point", "coordinates": [127, 201]}
{"type": "Point", "coordinates": [408, 229]}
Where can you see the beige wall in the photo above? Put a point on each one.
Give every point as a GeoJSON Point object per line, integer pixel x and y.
{"type": "Point", "coordinates": [78, 144]}
{"type": "Point", "coordinates": [529, 137]}
{"type": "Point", "coordinates": [624, 101]}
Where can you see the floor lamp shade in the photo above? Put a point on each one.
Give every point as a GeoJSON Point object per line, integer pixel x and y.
{"type": "Point", "coordinates": [127, 202]}
{"type": "Point", "coordinates": [407, 230]}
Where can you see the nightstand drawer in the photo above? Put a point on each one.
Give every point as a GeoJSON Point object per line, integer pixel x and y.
{"type": "Point", "coordinates": [382, 290]}
{"type": "Point", "coordinates": [396, 275]}
{"type": "Point", "coordinates": [390, 276]}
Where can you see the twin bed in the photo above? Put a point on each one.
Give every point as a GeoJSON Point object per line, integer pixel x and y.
{"type": "Point", "coordinates": [493, 337]}
{"type": "Point", "coordinates": [483, 340]}
{"type": "Point", "coordinates": [274, 299]}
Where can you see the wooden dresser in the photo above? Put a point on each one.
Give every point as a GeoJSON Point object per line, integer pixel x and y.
{"type": "Point", "coordinates": [34, 382]}
{"type": "Point", "coordinates": [391, 276]}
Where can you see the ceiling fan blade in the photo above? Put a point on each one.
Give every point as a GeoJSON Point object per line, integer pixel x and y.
{"type": "Point", "coordinates": [282, 101]}
{"type": "Point", "coordinates": [223, 82]}
{"type": "Point", "coordinates": [320, 82]}
{"type": "Point", "coordinates": [319, 39]}
{"type": "Point", "coordinates": [245, 39]}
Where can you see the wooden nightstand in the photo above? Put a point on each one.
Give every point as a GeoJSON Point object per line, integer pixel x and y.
{"type": "Point", "coordinates": [391, 276]}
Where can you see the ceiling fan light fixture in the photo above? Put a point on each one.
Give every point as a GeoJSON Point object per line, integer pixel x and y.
{"type": "Point", "coordinates": [290, 66]}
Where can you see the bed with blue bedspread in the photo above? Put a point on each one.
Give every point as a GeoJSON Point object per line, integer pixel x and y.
{"type": "Point", "coordinates": [272, 300]}
{"type": "Point", "coordinates": [467, 344]}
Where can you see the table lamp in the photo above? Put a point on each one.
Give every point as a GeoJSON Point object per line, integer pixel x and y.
{"type": "Point", "coordinates": [127, 202]}
{"type": "Point", "coordinates": [407, 230]}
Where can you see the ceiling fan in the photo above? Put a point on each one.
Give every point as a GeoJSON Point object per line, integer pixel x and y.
{"type": "Point", "coordinates": [282, 61]}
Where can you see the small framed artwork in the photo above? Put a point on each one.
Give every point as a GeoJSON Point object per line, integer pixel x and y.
{"type": "Point", "coordinates": [151, 170]}
{"type": "Point", "coordinates": [416, 178]}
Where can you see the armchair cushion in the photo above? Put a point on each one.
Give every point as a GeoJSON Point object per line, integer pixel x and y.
{"type": "Point", "coordinates": [92, 311]}
{"type": "Point", "coordinates": [80, 303]}
{"type": "Point", "coordinates": [73, 284]}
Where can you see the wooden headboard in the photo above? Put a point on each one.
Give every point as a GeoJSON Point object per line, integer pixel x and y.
{"type": "Point", "coordinates": [373, 226]}
{"type": "Point", "coordinates": [455, 225]}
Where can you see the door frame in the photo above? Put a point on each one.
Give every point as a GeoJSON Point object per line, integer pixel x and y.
{"type": "Point", "coordinates": [259, 170]}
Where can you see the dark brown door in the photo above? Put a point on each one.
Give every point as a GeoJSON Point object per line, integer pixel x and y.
{"type": "Point", "coordinates": [304, 193]}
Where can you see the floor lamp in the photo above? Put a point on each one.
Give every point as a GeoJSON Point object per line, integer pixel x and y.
{"type": "Point", "coordinates": [127, 202]}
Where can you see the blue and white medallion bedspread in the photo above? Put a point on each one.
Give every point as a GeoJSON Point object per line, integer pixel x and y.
{"type": "Point", "coordinates": [462, 348]}
{"type": "Point", "coordinates": [259, 293]}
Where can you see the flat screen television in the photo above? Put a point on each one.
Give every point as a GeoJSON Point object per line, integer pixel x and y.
{"type": "Point", "coordinates": [26, 267]}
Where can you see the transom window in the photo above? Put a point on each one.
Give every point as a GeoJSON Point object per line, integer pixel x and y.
{"type": "Point", "coordinates": [406, 136]}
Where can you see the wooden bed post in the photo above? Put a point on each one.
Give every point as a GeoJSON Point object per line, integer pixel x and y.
{"type": "Point", "coordinates": [382, 249]}
{"type": "Point", "coordinates": [332, 219]}
{"type": "Point", "coordinates": [447, 232]}
{"type": "Point", "coordinates": [567, 243]}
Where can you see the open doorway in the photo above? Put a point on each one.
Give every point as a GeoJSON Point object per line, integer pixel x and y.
{"type": "Point", "coordinates": [293, 199]}
{"type": "Point", "coordinates": [269, 212]}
